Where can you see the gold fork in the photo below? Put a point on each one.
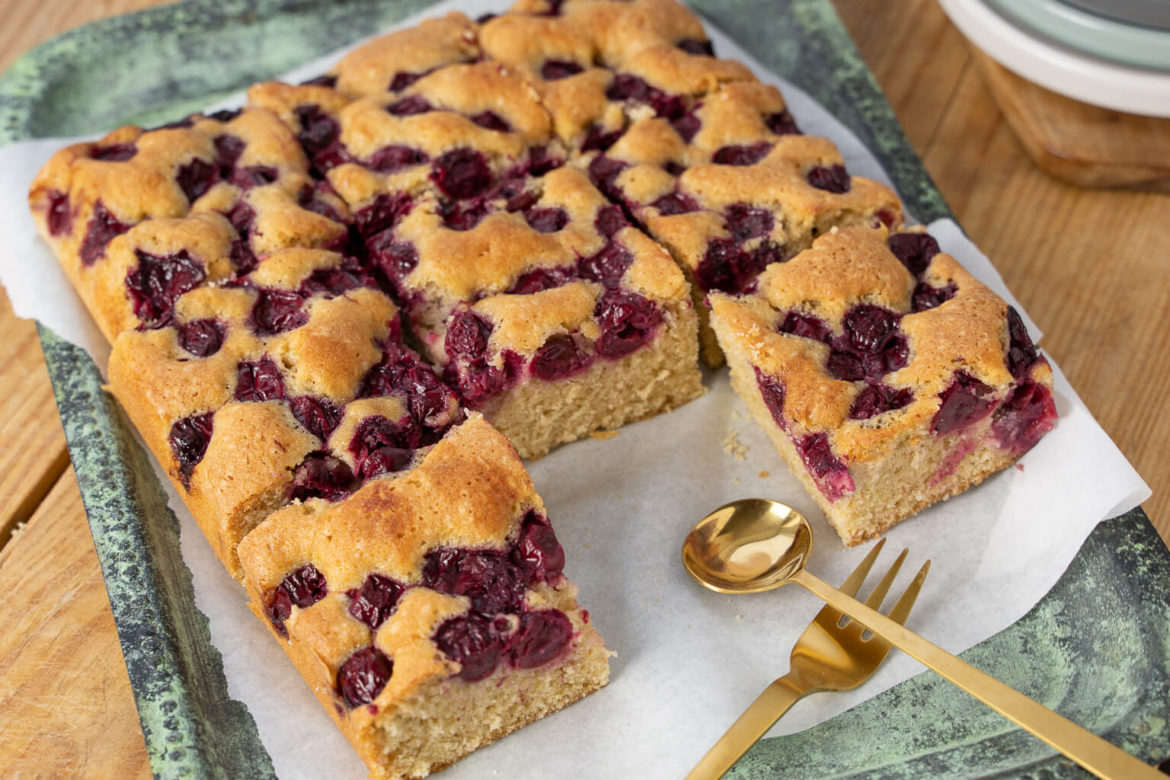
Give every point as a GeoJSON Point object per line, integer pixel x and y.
{"type": "Point", "coordinates": [828, 656]}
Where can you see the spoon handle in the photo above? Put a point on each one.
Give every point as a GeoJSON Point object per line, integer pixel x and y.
{"type": "Point", "coordinates": [1087, 749]}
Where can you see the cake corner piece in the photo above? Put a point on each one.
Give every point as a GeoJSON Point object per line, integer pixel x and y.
{"type": "Point", "coordinates": [428, 611]}
{"type": "Point", "coordinates": [899, 383]}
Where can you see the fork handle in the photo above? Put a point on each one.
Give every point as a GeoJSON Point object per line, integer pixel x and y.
{"type": "Point", "coordinates": [775, 700]}
{"type": "Point", "coordinates": [1086, 748]}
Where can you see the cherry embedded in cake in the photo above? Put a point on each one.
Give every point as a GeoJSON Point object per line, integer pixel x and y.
{"type": "Point", "coordinates": [299, 368]}
{"type": "Point", "coordinates": [729, 220]}
{"type": "Point", "coordinates": [846, 377]}
{"type": "Point", "coordinates": [413, 626]}
{"type": "Point", "coordinates": [548, 312]}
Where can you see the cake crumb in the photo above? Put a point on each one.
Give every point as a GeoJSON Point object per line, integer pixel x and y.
{"type": "Point", "coordinates": [735, 415]}
{"type": "Point", "coordinates": [764, 474]}
{"type": "Point", "coordinates": [1020, 466]}
{"type": "Point", "coordinates": [739, 617]}
{"type": "Point", "coordinates": [603, 435]}
{"type": "Point", "coordinates": [733, 446]}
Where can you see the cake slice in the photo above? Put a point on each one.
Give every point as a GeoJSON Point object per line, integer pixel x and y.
{"type": "Point", "coordinates": [886, 375]}
{"type": "Point", "coordinates": [601, 67]}
{"type": "Point", "coordinates": [546, 310]}
{"type": "Point", "coordinates": [289, 384]}
{"type": "Point", "coordinates": [143, 216]}
{"type": "Point", "coordinates": [428, 611]}
{"type": "Point", "coordinates": [727, 220]}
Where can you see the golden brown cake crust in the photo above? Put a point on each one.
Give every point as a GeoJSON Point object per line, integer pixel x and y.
{"type": "Point", "coordinates": [469, 492]}
{"type": "Point", "coordinates": [853, 358]}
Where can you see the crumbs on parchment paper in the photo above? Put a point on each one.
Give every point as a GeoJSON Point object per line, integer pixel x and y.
{"type": "Point", "coordinates": [603, 435]}
{"type": "Point", "coordinates": [764, 474]}
{"type": "Point", "coordinates": [733, 446]}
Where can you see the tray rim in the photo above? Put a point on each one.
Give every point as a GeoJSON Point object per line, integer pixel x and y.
{"type": "Point", "coordinates": [182, 723]}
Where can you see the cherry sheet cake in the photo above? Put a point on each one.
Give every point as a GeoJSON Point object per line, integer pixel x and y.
{"type": "Point", "coordinates": [341, 314]}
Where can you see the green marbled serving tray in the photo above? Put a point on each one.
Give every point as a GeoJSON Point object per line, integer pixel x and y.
{"type": "Point", "coordinates": [1096, 648]}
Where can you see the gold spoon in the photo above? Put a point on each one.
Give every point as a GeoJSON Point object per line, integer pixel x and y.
{"type": "Point", "coordinates": [753, 545]}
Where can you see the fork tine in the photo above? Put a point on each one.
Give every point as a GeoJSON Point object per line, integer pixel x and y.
{"type": "Point", "coordinates": [902, 609]}
{"type": "Point", "coordinates": [875, 599]}
{"type": "Point", "coordinates": [853, 583]}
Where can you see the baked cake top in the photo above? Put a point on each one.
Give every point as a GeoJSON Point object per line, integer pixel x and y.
{"type": "Point", "coordinates": [449, 569]}
{"type": "Point", "coordinates": [873, 341]}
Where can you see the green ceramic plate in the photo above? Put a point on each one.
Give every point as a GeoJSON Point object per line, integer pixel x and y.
{"type": "Point", "coordinates": [1097, 648]}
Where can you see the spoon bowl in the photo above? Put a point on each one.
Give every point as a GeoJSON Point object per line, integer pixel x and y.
{"type": "Point", "coordinates": [748, 546]}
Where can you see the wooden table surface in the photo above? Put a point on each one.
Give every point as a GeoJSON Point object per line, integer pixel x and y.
{"type": "Point", "coordinates": [1091, 267]}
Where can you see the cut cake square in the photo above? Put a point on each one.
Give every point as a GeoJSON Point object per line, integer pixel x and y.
{"type": "Point", "coordinates": [887, 377]}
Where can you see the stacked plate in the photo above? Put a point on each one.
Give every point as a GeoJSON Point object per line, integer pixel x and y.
{"type": "Point", "coordinates": [1111, 53]}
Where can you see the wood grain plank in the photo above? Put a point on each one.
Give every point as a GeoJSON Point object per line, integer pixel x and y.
{"type": "Point", "coordinates": [31, 22]}
{"type": "Point", "coordinates": [32, 444]}
{"type": "Point", "coordinates": [65, 698]}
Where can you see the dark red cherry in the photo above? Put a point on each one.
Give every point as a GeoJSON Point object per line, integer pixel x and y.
{"type": "Point", "coordinates": [674, 203]}
{"type": "Point", "coordinates": [547, 220]}
{"type": "Point", "coordinates": [627, 320]}
{"type": "Point", "coordinates": [467, 336]}
{"type": "Point", "coordinates": [537, 551]}
{"type": "Point", "coordinates": [470, 641]}
{"type": "Point", "coordinates": [539, 279]}
{"type": "Point", "coordinates": [806, 326]}
{"type": "Point", "coordinates": [697, 47]}
{"type": "Point", "coordinates": [610, 219]}
{"type": "Point", "coordinates": [869, 328]}
{"type": "Point", "coordinates": [157, 282]}
{"type": "Point", "coordinates": [375, 600]}
{"type": "Point", "coordinates": [492, 121]}
{"type": "Point", "coordinates": [462, 173]}
{"type": "Point", "coordinates": [604, 172]}
{"type": "Point", "coordinates": [914, 250]}
{"type": "Point", "coordinates": [553, 70]}
{"type": "Point", "coordinates": [102, 228]}
{"type": "Point", "coordinates": [259, 381]}
{"type": "Point", "coordinates": [1021, 351]}
{"type": "Point", "coordinates": [827, 470]}
{"type": "Point", "coordinates": [487, 577]}
{"type": "Point", "coordinates": [321, 475]}
{"type": "Point", "coordinates": [560, 357]}
{"type": "Point", "coordinates": [926, 297]}
{"type": "Point", "coordinates": [833, 178]}
{"type": "Point", "coordinates": [277, 311]}
{"type": "Point", "coordinates": [772, 391]}
{"type": "Point", "coordinates": [742, 155]}
{"type": "Point", "coordinates": [607, 266]}
{"type": "Point", "coordinates": [877, 399]}
{"type": "Point", "coordinates": [964, 402]}
{"type": "Point", "coordinates": [363, 676]}
{"type": "Point", "coordinates": [782, 123]}
{"type": "Point", "coordinates": [542, 636]}
{"type": "Point", "coordinates": [409, 106]}
{"type": "Point", "coordinates": [114, 152]}
{"type": "Point", "coordinates": [202, 338]}
{"type": "Point", "coordinates": [319, 416]}
{"type": "Point", "coordinates": [391, 159]}
{"type": "Point", "coordinates": [196, 177]}
{"type": "Point", "coordinates": [1024, 417]}
{"type": "Point", "coordinates": [383, 214]}
{"type": "Point", "coordinates": [59, 216]}
{"type": "Point", "coordinates": [188, 439]}
{"type": "Point", "coordinates": [746, 222]}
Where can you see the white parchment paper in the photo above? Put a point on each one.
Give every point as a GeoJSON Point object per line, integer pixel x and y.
{"type": "Point", "coordinates": [689, 661]}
